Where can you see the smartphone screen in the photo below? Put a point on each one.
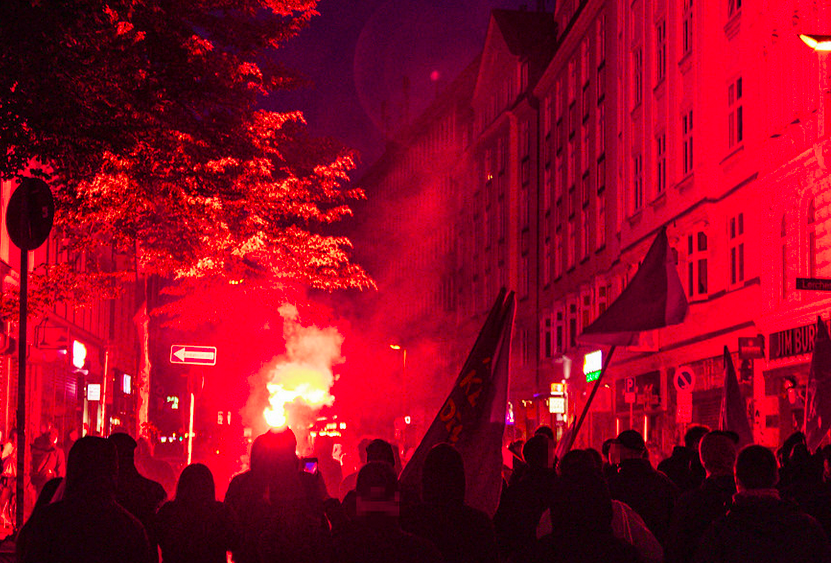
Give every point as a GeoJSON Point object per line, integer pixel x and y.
{"type": "Point", "coordinates": [310, 465]}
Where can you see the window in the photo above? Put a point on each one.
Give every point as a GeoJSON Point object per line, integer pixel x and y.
{"type": "Point", "coordinates": [585, 61]}
{"type": "Point", "coordinates": [586, 189]}
{"type": "Point", "coordinates": [572, 325]}
{"type": "Point", "coordinates": [735, 132]}
{"type": "Point", "coordinates": [559, 334]}
{"type": "Point", "coordinates": [523, 76]}
{"type": "Point", "coordinates": [524, 152]}
{"type": "Point", "coordinates": [736, 242]}
{"type": "Point", "coordinates": [586, 232]}
{"type": "Point", "coordinates": [558, 252]}
{"type": "Point", "coordinates": [572, 244]}
{"type": "Point", "coordinates": [783, 234]}
{"type": "Point", "coordinates": [546, 266]}
{"type": "Point", "coordinates": [547, 333]}
{"type": "Point", "coordinates": [812, 239]}
{"type": "Point", "coordinates": [661, 163]}
{"type": "Point", "coordinates": [600, 131]}
{"type": "Point", "coordinates": [637, 64]}
{"type": "Point", "coordinates": [687, 28]}
{"type": "Point", "coordinates": [733, 7]}
{"type": "Point", "coordinates": [637, 182]}
{"type": "Point", "coordinates": [600, 225]}
{"type": "Point", "coordinates": [687, 130]}
{"type": "Point", "coordinates": [571, 165]}
{"type": "Point", "coordinates": [697, 264]}
{"type": "Point", "coordinates": [661, 50]}
{"type": "Point", "coordinates": [601, 82]}
{"type": "Point", "coordinates": [584, 147]}
{"type": "Point", "coordinates": [601, 39]}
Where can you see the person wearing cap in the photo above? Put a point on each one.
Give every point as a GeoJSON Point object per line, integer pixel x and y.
{"type": "Point", "coordinates": [649, 492]}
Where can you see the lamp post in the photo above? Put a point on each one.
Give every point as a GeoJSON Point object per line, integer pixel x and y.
{"type": "Point", "coordinates": [821, 44]}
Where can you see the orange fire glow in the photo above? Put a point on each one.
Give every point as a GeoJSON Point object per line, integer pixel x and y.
{"type": "Point", "coordinates": [293, 386]}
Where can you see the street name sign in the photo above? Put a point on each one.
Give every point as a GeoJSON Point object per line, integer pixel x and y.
{"type": "Point", "coordinates": [814, 284]}
{"type": "Point", "coordinates": [193, 355]}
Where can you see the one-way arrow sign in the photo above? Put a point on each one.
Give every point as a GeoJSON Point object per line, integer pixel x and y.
{"type": "Point", "coordinates": [196, 355]}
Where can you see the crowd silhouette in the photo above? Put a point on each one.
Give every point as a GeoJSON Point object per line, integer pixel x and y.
{"type": "Point", "coordinates": [710, 501]}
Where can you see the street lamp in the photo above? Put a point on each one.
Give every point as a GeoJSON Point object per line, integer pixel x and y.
{"type": "Point", "coordinates": [817, 42]}
{"type": "Point", "coordinates": [821, 44]}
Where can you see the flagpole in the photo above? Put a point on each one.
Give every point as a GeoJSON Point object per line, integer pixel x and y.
{"type": "Point", "coordinates": [573, 436]}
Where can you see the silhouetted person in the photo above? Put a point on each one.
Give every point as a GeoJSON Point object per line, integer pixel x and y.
{"type": "Point", "coordinates": [581, 517]}
{"type": "Point", "coordinates": [627, 525]}
{"type": "Point", "coordinates": [141, 496]}
{"type": "Point", "coordinates": [524, 501]}
{"type": "Point", "coordinates": [246, 497]}
{"type": "Point", "coordinates": [87, 524]}
{"type": "Point", "coordinates": [462, 533]}
{"type": "Point", "coordinates": [684, 467]}
{"type": "Point", "coordinates": [649, 492]}
{"type": "Point", "coordinates": [375, 535]}
{"type": "Point", "coordinates": [376, 450]}
{"type": "Point", "coordinates": [698, 508]}
{"type": "Point", "coordinates": [154, 468]}
{"type": "Point", "coordinates": [802, 482]}
{"type": "Point", "coordinates": [330, 468]}
{"type": "Point", "coordinates": [195, 527]}
{"type": "Point", "coordinates": [294, 528]}
{"type": "Point", "coordinates": [48, 460]}
{"type": "Point", "coordinates": [348, 483]}
{"type": "Point", "coordinates": [760, 527]}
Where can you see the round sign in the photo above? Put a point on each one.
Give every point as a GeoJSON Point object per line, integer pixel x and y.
{"type": "Point", "coordinates": [30, 214]}
{"type": "Point", "coordinates": [684, 379]}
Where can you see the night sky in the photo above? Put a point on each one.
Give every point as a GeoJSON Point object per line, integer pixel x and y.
{"type": "Point", "coordinates": [357, 53]}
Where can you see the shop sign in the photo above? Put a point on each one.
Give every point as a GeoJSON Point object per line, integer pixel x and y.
{"type": "Point", "coordinates": [793, 341]}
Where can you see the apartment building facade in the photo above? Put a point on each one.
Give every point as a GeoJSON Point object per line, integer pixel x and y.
{"type": "Point", "coordinates": [707, 118]}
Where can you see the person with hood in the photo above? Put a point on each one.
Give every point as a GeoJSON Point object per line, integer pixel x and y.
{"type": "Point", "coordinates": [525, 501]}
{"type": "Point", "coordinates": [462, 533]}
{"type": "Point", "coordinates": [760, 526]}
{"type": "Point", "coordinates": [195, 527]}
{"type": "Point", "coordinates": [87, 524]}
{"type": "Point", "coordinates": [141, 496]}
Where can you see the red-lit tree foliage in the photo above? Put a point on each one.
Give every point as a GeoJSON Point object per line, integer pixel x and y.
{"type": "Point", "coordinates": [148, 120]}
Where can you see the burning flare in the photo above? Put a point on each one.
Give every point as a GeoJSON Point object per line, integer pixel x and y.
{"type": "Point", "coordinates": [298, 382]}
{"type": "Point", "coordinates": [298, 385]}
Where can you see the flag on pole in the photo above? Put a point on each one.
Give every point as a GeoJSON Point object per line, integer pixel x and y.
{"type": "Point", "coordinates": [472, 418]}
{"type": "Point", "coordinates": [733, 413]}
{"type": "Point", "coordinates": [818, 390]}
{"type": "Point", "coordinates": [653, 299]}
